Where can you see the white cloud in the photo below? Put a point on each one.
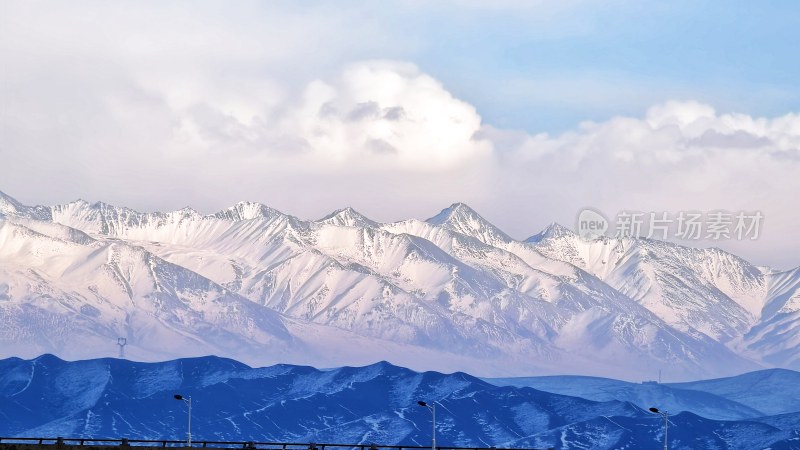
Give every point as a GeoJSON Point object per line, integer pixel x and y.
{"type": "Point", "coordinates": [678, 156]}
{"type": "Point", "coordinates": [159, 107]}
{"type": "Point", "coordinates": [668, 134]}
{"type": "Point", "coordinates": [376, 115]}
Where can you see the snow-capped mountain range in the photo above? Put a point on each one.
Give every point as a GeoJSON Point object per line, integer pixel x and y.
{"type": "Point", "coordinates": [450, 293]}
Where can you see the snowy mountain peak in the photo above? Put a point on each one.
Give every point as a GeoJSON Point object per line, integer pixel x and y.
{"type": "Point", "coordinates": [347, 217]}
{"type": "Point", "coordinates": [247, 211]}
{"type": "Point", "coordinates": [552, 231]}
{"type": "Point", "coordinates": [9, 206]}
{"type": "Point", "coordinates": [74, 205]}
{"type": "Point", "coordinates": [103, 206]}
{"type": "Point", "coordinates": [459, 217]}
{"type": "Point", "coordinates": [455, 210]}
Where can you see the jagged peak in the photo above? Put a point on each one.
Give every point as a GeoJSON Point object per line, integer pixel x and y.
{"type": "Point", "coordinates": [103, 206]}
{"type": "Point", "coordinates": [108, 211]}
{"type": "Point", "coordinates": [96, 206]}
{"type": "Point", "coordinates": [74, 204]}
{"type": "Point", "coordinates": [453, 211]}
{"type": "Point", "coordinates": [460, 218]}
{"type": "Point", "coordinates": [247, 211]}
{"type": "Point", "coordinates": [9, 206]}
{"type": "Point", "coordinates": [347, 217]}
{"type": "Point", "coordinates": [188, 210]}
{"type": "Point", "coordinates": [239, 212]}
{"type": "Point", "coordinates": [553, 231]}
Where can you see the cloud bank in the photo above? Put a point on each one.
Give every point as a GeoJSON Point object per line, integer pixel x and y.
{"type": "Point", "coordinates": [209, 113]}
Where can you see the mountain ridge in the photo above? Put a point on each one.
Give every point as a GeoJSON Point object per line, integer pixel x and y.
{"type": "Point", "coordinates": [455, 288]}
{"type": "Point", "coordinates": [377, 403]}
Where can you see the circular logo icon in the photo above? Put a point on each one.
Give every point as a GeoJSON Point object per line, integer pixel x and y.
{"type": "Point", "coordinates": [591, 224]}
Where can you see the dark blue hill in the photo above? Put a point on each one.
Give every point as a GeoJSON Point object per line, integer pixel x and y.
{"type": "Point", "coordinates": [771, 391]}
{"type": "Point", "coordinates": [686, 432]}
{"type": "Point", "coordinates": [377, 403]}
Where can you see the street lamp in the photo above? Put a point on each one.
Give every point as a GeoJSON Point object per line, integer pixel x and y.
{"type": "Point", "coordinates": [188, 401]}
{"type": "Point", "coordinates": [665, 415]}
{"type": "Point", "coordinates": [432, 408]}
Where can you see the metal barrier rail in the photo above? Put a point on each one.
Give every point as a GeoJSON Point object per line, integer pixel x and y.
{"type": "Point", "coordinates": [250, 445]}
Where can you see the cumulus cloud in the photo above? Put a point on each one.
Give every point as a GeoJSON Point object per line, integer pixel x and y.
{"type": "Point", "coordinates": [375, 114]}
{"type": "Point", "coordinates": [373, 107]}
{"type": "Point", "coordinates": [390, 109]}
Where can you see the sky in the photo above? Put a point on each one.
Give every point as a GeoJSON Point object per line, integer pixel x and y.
{"type": "Point", "coordinates": [527, 111]}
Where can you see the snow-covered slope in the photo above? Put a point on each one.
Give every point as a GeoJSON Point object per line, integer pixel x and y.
{"type": "Point", "coordinates": [64, 290]}
{"type": "Point", "coordinates": [776, 338]}
{"type": "Point", "coordinates": [752, 310]}
{"type": "Point", "coordinates": [680, 284]}
{"type": "Point", "coordinates": [452, 292]}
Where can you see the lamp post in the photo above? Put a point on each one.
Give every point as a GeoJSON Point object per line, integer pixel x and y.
{"type": "Point", "coordinates": [665, 415]}
{"type": "Point", "coordinates": [188, 401]}
{"type": "Point", "coordinates": [432, 408]}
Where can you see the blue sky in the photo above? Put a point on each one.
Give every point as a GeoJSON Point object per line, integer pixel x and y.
{"type": "Point", "coordinates": [593, 61]}
{"type": "Point", "coordinates": [527, 111]}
